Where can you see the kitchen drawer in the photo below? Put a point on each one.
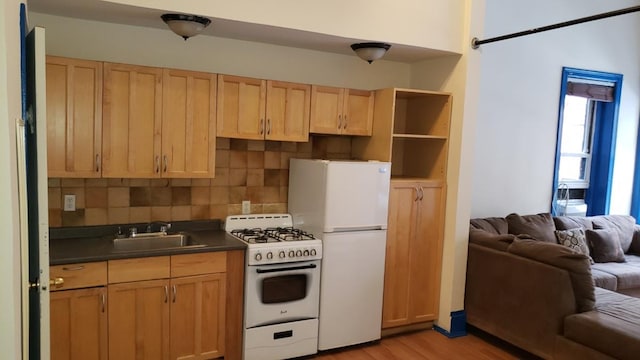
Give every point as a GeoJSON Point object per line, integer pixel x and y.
{"type": "Point", "coordinates": [198, 264]}
{"type": "Point", "coordinates": [138, 269]}
{"type": "Point", "coordinates": [79, 275]}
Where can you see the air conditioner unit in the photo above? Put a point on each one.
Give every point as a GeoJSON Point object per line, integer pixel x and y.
{"type": "Point", "coordinates": [571, 208]}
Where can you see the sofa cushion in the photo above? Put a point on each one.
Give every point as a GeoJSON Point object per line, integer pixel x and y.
{"type": "Point", "coordinates": [574, 239]}
{"type": "Point", "coordinates": [494, 225]}
{"type": "Point", "coordinates": [627, 276]}
{"type": "Point", "coordinates": [562, 257]}
{"type": "Point", "coordinates": [605, 245]}
{"type": "Point", "coordinates": [539, 226]}
{"type": "Point", "coordinates": [613, 328]}
{"type": "Point", "coordinates": [634, 248]}
{"type": "Point", "coordinates": [572, 222]}
{"type": "Point", "coordinates": [495, 241]}
{"type": "Point", "coordinates": [604, 279]}
{"type": "Point", "coordinates": [623, 224]}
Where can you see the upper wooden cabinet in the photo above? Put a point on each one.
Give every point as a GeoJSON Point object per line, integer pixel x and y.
{"type": "Point", "coordinates": [257, 109]}
{"type": "Point", "coordinates": [132, 121]}
{"type": "Point", "coordinates": [188, 124]}
{"type": "Point", "coordinates": [74, 117]}
{"type": "Point", "coordinates": [341, 111]}
{"type": "Point", "coordinates": [158, 123]}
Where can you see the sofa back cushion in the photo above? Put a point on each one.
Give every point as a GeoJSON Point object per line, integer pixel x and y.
{"type": "Point", "coordinates": [539, 226]}
{"type": "Point", "coordinates": [494, 225]}
{"type": "Point", "coordinates": [577, 265]}
{"type": "Point", "coordinates": [623, 224]}
{"type": "Point", "coordinates": [495, 241]}
{"type": "Point", "coordinates": [572, 222]}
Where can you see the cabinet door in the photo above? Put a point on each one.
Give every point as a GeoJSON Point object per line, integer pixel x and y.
{"type": "Point", "coordinates": [288, 109]}
{"type": "Point", "coordinates": [326, 110]}
{"type": "Point", "coordinates": [139, 320]}
{"type": "Point", "coordinates": [357, 118]}
{"type": "Point", "coordinates": [131, 121]}
{"type": "Point", "coordinates": [403, 197]}
{"type": "Point", "coordinates": [198, 317]}
{"type": "Point", "coordinates": [241, 107]}
{"type": "Point", "coordinates": [74, 117]}
{"type": "Point", "coordinates": [188, 124]}
{"type": "Point", "coordinates": [79, 324]}
{"type": "Point", "coordinates": [426, 254]}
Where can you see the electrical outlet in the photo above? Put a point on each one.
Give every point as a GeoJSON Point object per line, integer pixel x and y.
{"type": "Point", "coordinates": [246, 207]}
{"type": "Point", "coordinates": [69, 203]}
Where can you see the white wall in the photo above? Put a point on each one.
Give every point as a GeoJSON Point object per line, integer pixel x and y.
{"type": "Point", "coordinates": [10, 110]}
{"type": "Point", "coordinates": [431, 24]}
{"type": "Point", "coordinates": [519, 96]}
{"type": "Point", "coordinates": [160, 47]}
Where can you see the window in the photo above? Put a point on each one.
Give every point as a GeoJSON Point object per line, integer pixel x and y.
{"type": "Point", "coordinates": [576, 142]}
{"type": "Point", "coordinates": [585, 147]}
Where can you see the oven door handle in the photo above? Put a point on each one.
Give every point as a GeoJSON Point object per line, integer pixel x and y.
{"type": "Point", "coordinates": [302, 267]}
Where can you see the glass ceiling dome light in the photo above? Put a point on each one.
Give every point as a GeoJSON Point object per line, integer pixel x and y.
{"type": "Point", "coordinates": [186, 25]}
{"type": "Point", "coordinates": [370, 51]}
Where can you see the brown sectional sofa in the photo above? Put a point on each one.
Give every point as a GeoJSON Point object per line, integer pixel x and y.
{"type": "Point", "coordinates": [550, 299]}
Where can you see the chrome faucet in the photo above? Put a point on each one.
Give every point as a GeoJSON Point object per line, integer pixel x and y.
{"type": "Point", "coordinates": [164, 226]}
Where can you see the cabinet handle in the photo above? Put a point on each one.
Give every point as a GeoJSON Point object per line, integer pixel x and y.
{"type": "Point", "coordinates": [103, 301]}
{"type": "Point", "coordinates": [417, 194]}
{"type": "Point", "coordinates": [73, 268]}
{"type": "Point", "coordinates": [339, 121]}
{"type": "Point", "coordinates": [344, 124]}
{"type": "Point", "coordinates": [166, 294]}
{"type": "Point", "coordinates": [157, 164]}
{"type": "Point", "coordinates": [268, 126]}
{"type": "Point", "coordinates": [261, 126]}
{"type": "Point", "coordinates": [165, 160]}
{"type": "Point", "coordinates": [175, 292]}
{"type": "Point", "coordinates": [421, 193]}
{"type": "Point", "coordinates": [97, 162]}
{"type": "Point", "coordinates": [56, 282]}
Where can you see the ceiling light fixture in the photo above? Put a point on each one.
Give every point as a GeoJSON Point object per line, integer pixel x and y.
{"type": "Point", "coordinates": [186, 25]}
{"type": "Point", "coordinates": [370, 51]}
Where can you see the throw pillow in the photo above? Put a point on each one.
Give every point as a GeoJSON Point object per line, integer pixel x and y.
{"type": "Point", "coordinates": [539, 226]}
{"type": "Point", "coordinates": [623, 224]}
{"type": "Point", "coordinates": [605, 245]}
{"type": "Point", "coordinates": [574, 239]}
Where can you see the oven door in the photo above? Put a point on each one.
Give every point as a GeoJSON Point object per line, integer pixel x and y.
{"type": "Point", "coordinates": [279, 293]}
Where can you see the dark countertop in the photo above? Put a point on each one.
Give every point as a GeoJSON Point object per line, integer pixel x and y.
{"type": "Point", "coordinates": [95, 243]}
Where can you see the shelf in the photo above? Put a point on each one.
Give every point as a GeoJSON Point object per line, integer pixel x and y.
{"type": "Point", "coordinates": [417, 157]}
{"type": "Point", "coordinates": [413, 136]}
{"type": "Point", "coordinates": [430, 183]}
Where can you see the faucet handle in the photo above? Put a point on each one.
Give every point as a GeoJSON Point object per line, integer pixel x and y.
{"type": "Point", "coordinates": [165, 227]}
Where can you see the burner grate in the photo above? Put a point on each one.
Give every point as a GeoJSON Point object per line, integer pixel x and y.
{"type": "Point", "coordinates": [289, 234]}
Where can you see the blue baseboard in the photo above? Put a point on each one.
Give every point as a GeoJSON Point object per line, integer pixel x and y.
{"type": "Point", "coordinates": [458, 325]}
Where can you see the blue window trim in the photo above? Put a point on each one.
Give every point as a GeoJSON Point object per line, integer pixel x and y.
{"type": "Point", "coordinates": [604, 143]}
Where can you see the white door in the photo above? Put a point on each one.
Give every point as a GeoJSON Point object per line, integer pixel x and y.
{"type": "Point", "coordinates": [351, 286]}
{"type": "Point", "coordinates": [357, 195]}
{"type": "Point", "coordinates": [34, 217]}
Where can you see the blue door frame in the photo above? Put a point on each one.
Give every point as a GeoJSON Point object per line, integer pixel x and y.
{"type": "Point", "coordinates": [635, 196]}
{"type": "Point", "coordinates": [598, 197]}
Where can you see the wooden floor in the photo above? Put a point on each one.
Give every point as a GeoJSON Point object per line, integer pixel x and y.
{"type": "Point", "coordinates": [429, 344]}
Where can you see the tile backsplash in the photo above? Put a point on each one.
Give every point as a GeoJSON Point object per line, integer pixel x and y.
{"type": "Point", "coordinates": [245, 170]}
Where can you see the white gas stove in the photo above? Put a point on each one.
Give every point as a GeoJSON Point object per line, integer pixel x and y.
{"type": "Point", "coordinates": [272, 239]}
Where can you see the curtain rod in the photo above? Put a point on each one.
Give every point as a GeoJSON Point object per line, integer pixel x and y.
{"type": "Point", "coordinates": [475, 42]}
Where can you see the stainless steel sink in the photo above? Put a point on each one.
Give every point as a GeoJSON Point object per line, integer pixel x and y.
{"type": "Point", "coordinates": [155, 241]}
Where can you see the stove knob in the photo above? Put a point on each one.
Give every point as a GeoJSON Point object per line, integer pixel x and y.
{"type": "Point", "coordinates": [258, 257]}
{"type": "Point", "coordinates": [269, 255]}
{"type": "Point", "coordinates": [282, 255]}
{"type": "Point", "coordinates": [299, 253]}
{"type": "Point", "coordinates": [313, 252]}
{"type": "Point", "coordinates": [306, 253]}
{"type": "Point", "coordinates": [292, 254]}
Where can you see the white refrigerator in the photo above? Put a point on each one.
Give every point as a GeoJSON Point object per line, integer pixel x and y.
{"type": "Point", "coordinates": [344, 203]}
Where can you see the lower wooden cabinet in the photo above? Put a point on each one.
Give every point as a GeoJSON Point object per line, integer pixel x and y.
{"type": "Point", "coordinates": [79, 324]}
{"type": "Point", "coordinates": [414, 252]}
{"type": "Point", "coordinates": [167, 307]}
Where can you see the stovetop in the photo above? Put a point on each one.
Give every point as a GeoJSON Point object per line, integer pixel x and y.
{"type": "Point", "coordinates": [272, 239]}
